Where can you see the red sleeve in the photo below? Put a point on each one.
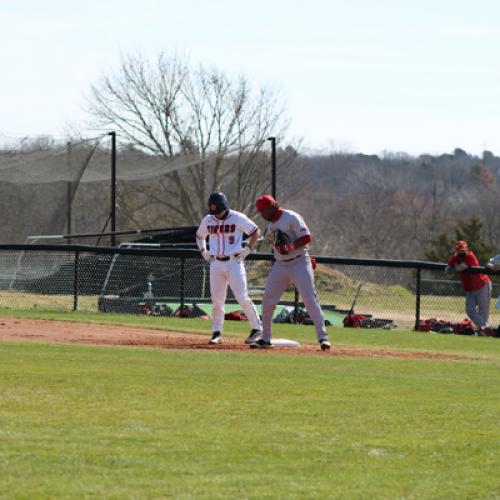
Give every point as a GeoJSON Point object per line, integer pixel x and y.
{"type": "Point", "coordinates": [453, 260]}
{"type": "Point", "coordinates": [303, 240]}
{"type": "Point", "coordinates": [471, 259]}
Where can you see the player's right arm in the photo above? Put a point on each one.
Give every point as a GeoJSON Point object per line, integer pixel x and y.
{"type": "Point", "coordinates": [201, 239]}
{"type": "Point", "coordinates": [450, 267]}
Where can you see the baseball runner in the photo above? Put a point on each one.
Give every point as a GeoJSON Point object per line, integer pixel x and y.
{"type": "Point", "coordinates": [477, 287]}
{"type": "Point", "coordinates": [226, 254]}
{"type": "Point", "coordinates": [292, 265]}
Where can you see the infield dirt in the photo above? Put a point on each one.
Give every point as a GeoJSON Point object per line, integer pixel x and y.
{"type": "Point", "coordinates": [66, 332]}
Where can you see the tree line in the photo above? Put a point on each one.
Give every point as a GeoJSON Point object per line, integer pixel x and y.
{"type": "Point", "coordinates": [398, 206]}
{"type": "Point", "coordinates": [205, 131]}
{"type": "Point", "coordinates": [395, 207]}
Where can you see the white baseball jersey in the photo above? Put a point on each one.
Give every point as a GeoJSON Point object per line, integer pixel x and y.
{"type": "Point", "coordinates": [226, 236]}
{"type": "Point", "coordinates": [293, 225]}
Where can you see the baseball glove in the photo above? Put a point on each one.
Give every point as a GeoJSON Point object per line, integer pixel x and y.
{"type": "Point", "coordinates": [282, 242]}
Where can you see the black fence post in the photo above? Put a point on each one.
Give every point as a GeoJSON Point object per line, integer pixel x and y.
{"type": "Point", "coordinates": [182, 281]}
{"type": "Point", "coordinates": [113, 188]}
{"type": "Point", "coordinates": [273, 165]}
{"type": "Point", "coordinates": [417, 304]}
{"type": "Point", "coordinates": [296, 305]}
{"type": "Point", "coordinates": [75, 281]}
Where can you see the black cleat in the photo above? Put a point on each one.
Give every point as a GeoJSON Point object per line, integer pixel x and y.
{"type": "Point", "coordinates": [216, 338]}
{"type": "Point", "coordinates": [261, 344]}
{"type": "Point", "coordinates": [253, 337]}
{"type": "Point", "coordinates": [325, 344]}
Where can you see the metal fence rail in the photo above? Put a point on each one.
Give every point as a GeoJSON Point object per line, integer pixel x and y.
{"type": "Point", "coordinates": [159, 280]}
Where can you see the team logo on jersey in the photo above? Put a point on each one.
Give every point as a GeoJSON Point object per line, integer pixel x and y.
{"type": "Point", "coordinates": [222, 229]}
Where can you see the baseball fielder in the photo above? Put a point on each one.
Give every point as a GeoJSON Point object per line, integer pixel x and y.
{"type": "Point", "coordinates": [477, 287]}
{"type": "Point", "coordinates": [224, 229]}
{"type": "Point", "coordinates": [292, 265]}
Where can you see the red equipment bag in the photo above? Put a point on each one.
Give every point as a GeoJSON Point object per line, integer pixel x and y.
{"type": "Point", "coordinates": [354, 320]}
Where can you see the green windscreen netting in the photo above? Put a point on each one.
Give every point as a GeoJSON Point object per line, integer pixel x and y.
{"type": "Point", "coordinates": [51, 187]}
{"type": "Point", "coordinates": [38, 181]}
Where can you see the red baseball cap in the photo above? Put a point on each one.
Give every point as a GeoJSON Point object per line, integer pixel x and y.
{"type": "Point", "coordinates": [461, 245]}
{"type": "Point", "coordinates": [265, 201]}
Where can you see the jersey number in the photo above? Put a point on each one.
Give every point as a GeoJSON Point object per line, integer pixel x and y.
{"type": "Point", "coordinates": [231, 240]}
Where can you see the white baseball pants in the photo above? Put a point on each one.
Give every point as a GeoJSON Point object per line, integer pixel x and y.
{"type": "Point", "coordinates": [233, 273]}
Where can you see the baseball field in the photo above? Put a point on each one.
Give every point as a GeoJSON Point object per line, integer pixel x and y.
{"type": "Point", "coordinates": [115, 406]}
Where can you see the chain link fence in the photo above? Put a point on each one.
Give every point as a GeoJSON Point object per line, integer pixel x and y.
{"type": "Point", "coordinates": [159, 281]}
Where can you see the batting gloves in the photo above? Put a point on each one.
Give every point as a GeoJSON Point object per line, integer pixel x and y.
{"type": "Point", "coordinates": [244, 253]}
{"type": "Point", "coordinates": [205, 254]}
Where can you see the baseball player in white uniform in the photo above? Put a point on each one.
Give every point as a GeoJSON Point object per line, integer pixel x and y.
{"type": "Point", "coordinates": [292, 265]}
{"type": "Point", "coordinates": [226, 254]}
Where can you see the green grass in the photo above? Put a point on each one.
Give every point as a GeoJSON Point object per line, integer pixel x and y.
{"type": "Point", "coordinates": [38, 301]}
{"type": "Point", "coordinates": [395, 339]}
{"type": "Point", "coordinates": [106, 422]}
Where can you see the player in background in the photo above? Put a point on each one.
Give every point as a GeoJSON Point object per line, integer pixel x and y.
{"type": "Point", "coordinates": [292, 265]}
{"type": "Point", "coordinates": [494, 264]}
{"type": "Point", "coordinates": [226, 254]}
{"type": "Point", "coordinates": [477, 287]}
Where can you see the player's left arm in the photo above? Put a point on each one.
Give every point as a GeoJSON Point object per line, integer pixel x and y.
{"type": "Point", "coordinates": [254, 238]}
{"type": "Point", "coordinates": [299, 229]}
{"type": "Point", "coordinates": [302, 241]}
{"type": "Point", "coordinates": [252, 230]}
{"type": "Point", "coordinates": [249, 227]}
{"type": "Point", "coordinates": [298, 243]}
{"type": "Point", "coordinates": [304, 235]}
{"type": "Point", "coordinates": [470, 260]}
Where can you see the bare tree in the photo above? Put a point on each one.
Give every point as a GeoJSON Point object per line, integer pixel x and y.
{"type": "Point", "coordinates": [209, 129]}
{"type": "Point", "coordinates": [487, 203]}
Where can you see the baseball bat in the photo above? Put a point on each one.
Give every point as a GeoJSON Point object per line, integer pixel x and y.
{"type": "Point", "coordinates": [351, 311]}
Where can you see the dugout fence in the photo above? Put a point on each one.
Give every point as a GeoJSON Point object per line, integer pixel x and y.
{"type": "Point", "coordinates": [157, 280]}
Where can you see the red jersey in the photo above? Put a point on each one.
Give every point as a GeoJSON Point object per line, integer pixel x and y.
{"type": "Point", "coordinates": [470, 281]}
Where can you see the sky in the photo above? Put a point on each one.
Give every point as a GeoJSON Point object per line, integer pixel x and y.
{"type": "Point", "coordinates": [364, 76]}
